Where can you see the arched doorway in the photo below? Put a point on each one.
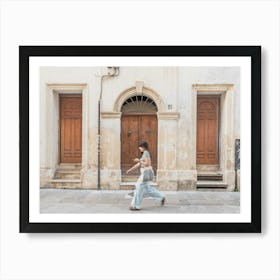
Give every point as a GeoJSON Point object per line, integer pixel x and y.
{"type": "Point", "coordinates": [138, 123]}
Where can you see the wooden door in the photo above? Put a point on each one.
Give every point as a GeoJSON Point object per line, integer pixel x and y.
{"type": "Point", "coordinates": [137, 128]}
{"type": "Point", "coordinates": [129, 140]}
{"type": "Point", "coordinates": [148, 132]}
{"type": "Point", "coordinates": [71, 129]}
{"type": "Point", "coordinates": [207, 130]}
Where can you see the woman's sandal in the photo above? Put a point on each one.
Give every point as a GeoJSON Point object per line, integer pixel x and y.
{"type": "Point", "coordinates": [162, 201]}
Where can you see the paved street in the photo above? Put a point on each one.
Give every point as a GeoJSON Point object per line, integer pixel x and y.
{"type": "Point", "coordinates": [93, 201]}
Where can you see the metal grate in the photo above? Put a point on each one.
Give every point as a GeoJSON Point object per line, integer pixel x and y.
{"type": "Point", "coordinates": [139, 104]}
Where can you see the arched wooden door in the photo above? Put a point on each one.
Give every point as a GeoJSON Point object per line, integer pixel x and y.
{"type": "Point", "coordinates": [207, 150]}
{"type": "Point", "coordinates": [138, 123]}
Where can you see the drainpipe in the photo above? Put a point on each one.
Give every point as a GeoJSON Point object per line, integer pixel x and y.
{"type": "Point", "coordinates": [112, 72]}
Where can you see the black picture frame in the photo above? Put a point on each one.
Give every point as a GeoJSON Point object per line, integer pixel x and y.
{"type": "Point", "coordinates": [254, 52]}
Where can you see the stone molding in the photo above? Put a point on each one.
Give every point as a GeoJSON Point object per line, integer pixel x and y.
{"type": "Point", "coordinates": [213, 88]}
{"type": "Point", "coordinates": [67, 88]}
{"type": "Point", "coordinates": [168, 116]}
{"type": "Point", "coordinates": [139, 86]}
{"type": "Point", "coordinates": [110, 115]}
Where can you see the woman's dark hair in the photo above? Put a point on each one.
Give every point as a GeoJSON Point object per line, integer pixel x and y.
{"type": "Point", "coordinates": [144, 144]}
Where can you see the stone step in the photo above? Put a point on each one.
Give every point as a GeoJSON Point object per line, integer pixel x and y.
{"type": "Point", "coordinates": [131, 185]}
{"type": "Point", "coordinates": [209, 177]}
{"type": "Point", "coordinates": [126, 187]}
{"type": "Point", "coordinates": [70, 166]}
{"type": "Point", "coordinates": [208, 168]}
{"type": "Point", "coordinates": [66, 183]}
{"type": "Point", "coordinates": [68, 170]}
{"type": "Point", "coordinates": [210, 184]}
{"type": "Point", "coordinates": [67, 174]}
{"type": "Point", "coordinates": [131, 178]}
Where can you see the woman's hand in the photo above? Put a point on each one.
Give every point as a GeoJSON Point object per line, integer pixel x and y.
{"type": "Point", "coordinates": [127, 171]}
{"type": "Point", "coordinates": [136, 160]}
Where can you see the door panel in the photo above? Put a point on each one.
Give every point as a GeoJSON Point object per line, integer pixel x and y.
{"type": "Point", "coordinates": [148, 133]}
{"type": "Point", "coordinates": [137, 128]}
{"type": "Point", "coordinates": [207, 130]}
{"type": "Point", "coordinates": [129, 140]}
{"type": "Point", "coordinates": [70, 129]}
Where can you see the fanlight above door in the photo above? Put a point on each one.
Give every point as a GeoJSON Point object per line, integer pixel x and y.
{"type": "Point", "coordinates": [139, 104]}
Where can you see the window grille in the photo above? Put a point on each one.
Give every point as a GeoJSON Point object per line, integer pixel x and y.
{"type": "Point", "coordinates": [139, 104]}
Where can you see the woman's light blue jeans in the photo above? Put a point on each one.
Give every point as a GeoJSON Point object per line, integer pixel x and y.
{"type": "Point", "coordinates": [140, 189]}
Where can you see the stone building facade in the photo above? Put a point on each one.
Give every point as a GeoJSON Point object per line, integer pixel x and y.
{"type": "Point", "coordinates": [188, 115]}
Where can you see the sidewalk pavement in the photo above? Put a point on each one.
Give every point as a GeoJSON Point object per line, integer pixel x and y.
{"type": "Point", "coordinates": [118, 201]}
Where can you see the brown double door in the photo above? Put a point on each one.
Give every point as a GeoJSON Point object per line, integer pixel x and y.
{"type": "Point", "coordinates": [70, 129]}
{"type": "Point", "coordinates": [207, 130]}
{"type": "Point", "coordinates": [134, 129]}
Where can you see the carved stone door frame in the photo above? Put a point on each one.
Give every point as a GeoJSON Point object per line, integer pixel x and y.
{"type": "Point", "coordinates": [226, 134]}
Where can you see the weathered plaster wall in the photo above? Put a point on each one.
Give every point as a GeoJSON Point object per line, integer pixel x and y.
{"type": "Point", "coordinates": [176, 155]}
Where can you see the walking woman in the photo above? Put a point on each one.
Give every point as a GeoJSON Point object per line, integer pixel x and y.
{"type": "Point", "coordinates": [142, 187]}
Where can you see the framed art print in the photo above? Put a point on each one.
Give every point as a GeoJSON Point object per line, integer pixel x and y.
{"type": "Point", "coordinates": [95, 119]}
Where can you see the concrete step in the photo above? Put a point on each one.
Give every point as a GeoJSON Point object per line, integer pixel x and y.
{"type": "Point", "coordinates": [66, 183]}
{"type": "Point", "coordinates": [67, 174]}
{"type": "Point", "coordinates": [210, 184]}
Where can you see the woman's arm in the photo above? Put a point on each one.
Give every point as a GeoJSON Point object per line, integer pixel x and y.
{"type": "Point", "coordinates": [134, 167]}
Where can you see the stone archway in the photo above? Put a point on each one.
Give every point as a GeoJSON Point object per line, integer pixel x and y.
{"type": "Point", "coordinates": [139, 89]}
